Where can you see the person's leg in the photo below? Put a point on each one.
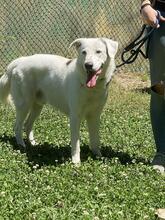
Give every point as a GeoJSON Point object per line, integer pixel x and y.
{"type": "Point", "coordinates": [157, 106]}
{"type": "Point", "coordinates": [157, 111]}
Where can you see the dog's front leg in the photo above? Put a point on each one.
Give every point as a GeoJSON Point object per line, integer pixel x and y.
{"type": "Point", "coordinates": [93, 122]}
{"type": "Point", "coordinates": [75, 142]}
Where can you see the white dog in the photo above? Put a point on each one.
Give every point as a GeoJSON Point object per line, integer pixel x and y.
{"type": "Point", "coordinates": [76, 87]}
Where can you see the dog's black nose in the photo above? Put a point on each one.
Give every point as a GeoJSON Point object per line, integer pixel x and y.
{"type": "Point", "coordinates": [89, 66]}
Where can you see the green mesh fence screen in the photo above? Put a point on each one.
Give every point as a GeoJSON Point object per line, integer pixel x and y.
{"type": "Point", "coordinates": [49, 26]}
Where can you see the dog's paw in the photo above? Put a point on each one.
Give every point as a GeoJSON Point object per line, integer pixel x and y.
{"type": "Point", "coordinates": [97, 152]}
{"type": "Point", "coordinates": [21, 146]}
{"type": "Point", "coordinates": [21, 143]}
{"type": "Point", "coordinates": [76, 159]}
{"type": "Point", "coordinates": [33, 142]}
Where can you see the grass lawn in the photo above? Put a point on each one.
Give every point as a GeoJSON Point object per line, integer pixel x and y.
{"type": "Point", "coordinates": [43, 184]}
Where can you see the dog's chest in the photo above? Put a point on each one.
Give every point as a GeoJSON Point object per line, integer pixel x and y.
{"type": "Point", "coordinates": [91, 100]}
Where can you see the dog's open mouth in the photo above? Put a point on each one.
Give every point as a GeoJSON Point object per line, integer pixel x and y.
{"type": "Point", "coordinates": [92, 77]}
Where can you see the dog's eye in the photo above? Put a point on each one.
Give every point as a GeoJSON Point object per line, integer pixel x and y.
{"type": "Point", "coordinates": [84, 52]}
{"type": "Point", "coordinates": [98, 51]}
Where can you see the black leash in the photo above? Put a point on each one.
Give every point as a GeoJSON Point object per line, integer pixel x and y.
{"type": "Point", "coordinates": [134, 48]}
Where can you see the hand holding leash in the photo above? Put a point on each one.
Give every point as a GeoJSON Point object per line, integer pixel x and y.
{"type": "Point", "coordinates": [131, 51]}
{"type": "Point", "coordinates": [151, 16]}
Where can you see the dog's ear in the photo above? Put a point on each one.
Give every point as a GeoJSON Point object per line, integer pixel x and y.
{"type": "Point", "coordinates": [112, 47]}
{"type": "Point", "coordinates": [76, 43]}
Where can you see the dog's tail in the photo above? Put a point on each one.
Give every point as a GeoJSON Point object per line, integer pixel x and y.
{"type": "Point", "coordinates": [5, 87]}
{"type": "Point", "coordinates": [5, 82]}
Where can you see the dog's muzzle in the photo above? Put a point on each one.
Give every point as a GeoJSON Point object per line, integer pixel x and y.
{"type": "Point", "coordinates": [92, 75]}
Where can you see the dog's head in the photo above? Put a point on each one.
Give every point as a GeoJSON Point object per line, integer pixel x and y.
{"type": "Point", "coordinates": [93, 55]}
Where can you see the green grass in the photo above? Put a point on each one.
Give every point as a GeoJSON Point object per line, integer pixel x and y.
{"type": "Point", "coordinates": [42, 184]}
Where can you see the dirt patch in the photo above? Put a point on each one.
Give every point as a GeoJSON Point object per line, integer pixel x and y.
{"type": "Point", "coordinates": [132, 81]}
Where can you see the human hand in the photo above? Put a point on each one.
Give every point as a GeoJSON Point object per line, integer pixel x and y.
{"type": "Point", "coordinates": [150, 16]}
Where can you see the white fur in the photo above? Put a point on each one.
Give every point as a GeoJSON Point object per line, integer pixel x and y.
{"type": "Point", "coordinates": [39, 79]}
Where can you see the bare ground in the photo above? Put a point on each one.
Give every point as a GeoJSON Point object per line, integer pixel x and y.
{"type": "Point", "coordinates": [132, 81]}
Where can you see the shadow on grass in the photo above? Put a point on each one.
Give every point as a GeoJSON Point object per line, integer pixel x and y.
{"type": "Point", "coordinates": [49, 154]}
{"type": "Point", "coordinates": [123, 157]}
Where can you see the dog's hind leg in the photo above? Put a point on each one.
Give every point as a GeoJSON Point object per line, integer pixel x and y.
{"type": "Point", "coordinates": [22, 106]}
{"type": "Point", "coordinates": [75, 142]}
{"type": "Point", "coordinates": [33, 114]}
{"type": "Point", "coordinates": [93, 122]}
{"type": "Point", "coordinates": [21, 114]}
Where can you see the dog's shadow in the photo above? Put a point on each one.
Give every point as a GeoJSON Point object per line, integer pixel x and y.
{"type": "Point", "coordinates": [49, 154]}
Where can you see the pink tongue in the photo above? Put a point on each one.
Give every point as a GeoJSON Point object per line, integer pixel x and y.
{"type": "Point", "coordinates": [92, 82]}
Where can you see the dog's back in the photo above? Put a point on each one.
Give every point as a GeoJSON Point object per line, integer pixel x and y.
{"type": "Point", "coordinates": [38, 78]}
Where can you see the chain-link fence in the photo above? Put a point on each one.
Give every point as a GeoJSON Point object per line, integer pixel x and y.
{"type": "Point", "coordinates": [49, 26]}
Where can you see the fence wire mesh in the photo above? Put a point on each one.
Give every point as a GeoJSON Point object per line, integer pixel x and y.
{"type": "Point", "coordinates": [39, 26]}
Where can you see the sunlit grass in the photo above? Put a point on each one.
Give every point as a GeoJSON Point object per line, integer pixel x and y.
{"type": "Point", "coordinates": [43, 184]}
